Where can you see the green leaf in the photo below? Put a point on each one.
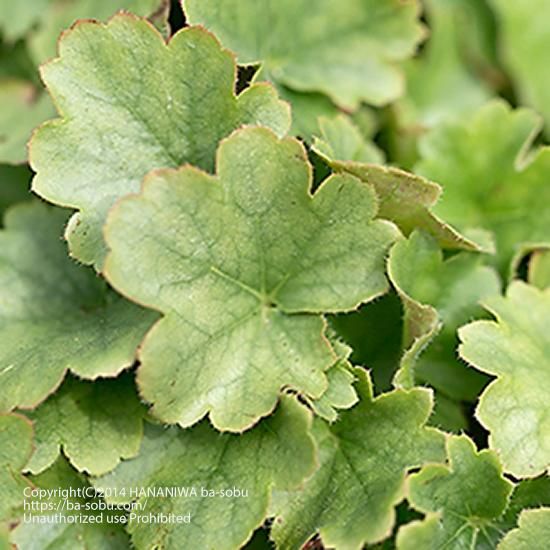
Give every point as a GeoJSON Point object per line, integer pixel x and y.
{"type": "Point", "coordinates": [61, 14]}
{"type": "Point", "coordinates": [438, 296]}
{"type": "Point", "coordinates": [460, 514]}
{"type": "Point", "coordinates": [73, 521]}
{"type": "Point", "coordinates": [17, 18]}
{"type": "Point", "coordinates": [131, 103]}
{"type": "Point", "coordinates": [524, 45]}
{"type": "Point", "coordinates": [278, 452]}
{"type": "Point", "coordinates": [440, 83]}
{"type": "Point", "coordinates": [241, 265]}
{"type": "Point", "coordinates": [341, 140]}
{"type": "Point", "coordinates": [15, 450]}
{"type": "Point", "coordinates": [22, 108]}
{"type": "Point", "coordinates": [407, 200]}
{"type": "Point", "coordinates": [96, 424]}
{"type": "Point", "coordinates": [515, 349]}
{"type": "Point", "coordinates": [533, 532]}
{"type": "Point", "coordinates": [363, 457]}
{"type": "Point", "coordinates": [348, 50]}
{"type": "Point", "coordinates": [490, 177]}
{"type": "Point", "coordinates": [54, 314]}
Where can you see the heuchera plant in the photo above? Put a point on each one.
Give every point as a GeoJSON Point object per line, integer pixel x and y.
{"type": "Point", "coordinates": [282, 278]}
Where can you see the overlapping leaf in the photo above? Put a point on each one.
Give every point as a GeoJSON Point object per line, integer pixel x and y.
{"type": "Point", "coordinates": [363, 459]}
{"type": "Point", "coordinates": [55, 315]}
{"type": "Point", "coordinates": [533, 532]}
{"type": "Point", "coordinates": [515, 349]}
{"type": "Point", "coordinates": [489, 177]}
{"type": "Point", "coordinates": [524, 44]}
{"type": "Point", "coordinates": [241, 265]}
{"type": "Point", "coordinates": [460, 515]}
{"type": "Point", "coordinates": [71, 521]}
{"type": "Point", "coordinates": [131, 103]}
{"type": "Point", "coordinates": [15, 450]}
{"type": "Point", "coordinates": [348, 50]}
{"type": "Point", "coordinates": [278, 452]}
{"type": "Point", "coordinates": [438, 296]}
{"type": "Point", "coordinates": [96, 424]}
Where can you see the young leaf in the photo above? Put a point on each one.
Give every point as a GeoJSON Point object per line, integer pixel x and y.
{"type": "Point", "coordinates": [341, 140]}
{"type": "Point", "coordinates": [524, 46]}
{"type": "Point", "coordinates": [363, 457]}
{"type": "Point", "coordinates": [348, 50]}
{"type": "Point", "coordinates": [340, 393]}
{"type": "Point", "coordinates": [533, 532]}
{"type": "Point", "coordinates": [96, 424]}
{"type": "Point", "coordinates": [490, 180]}
{"type": "Point", "coordinates": [515, 349]}
{"type": "Point", "coordinates": [22, 108]}
{"type": "Point", "coordinates": [278, 452]}
{"type": "Point", "coordinates": [15, 450]}
{"type": "Point", "coordinates": [242, 264]}
{"type": "Point", "coordinates": [459, 513]}
{"type": "Point", "coordinates": [130, 103]}
{"type": "Point", "coordinates": [54, 314]}
{"type": "Point", "coordinates": [83, 526]}
{"type": "Point", "coordinates": [438, 296]}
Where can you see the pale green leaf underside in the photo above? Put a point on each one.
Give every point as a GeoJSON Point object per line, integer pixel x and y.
{"type": "Point", "coordinates": [278, 452]}
{"type": "Point", "coordinates": [348, 50]}
{"type": "Point", "coordinates": [533, 532]}
{"type": "Point", "coordinates": [131, 103]}
{"type": "Point", "coordinates": [89, 529]}
{"type": "Point", "coordinates": [460, 515]}
{"type": "Point", "coordinates": [438, 296]}
{"type": "Point", "coordinates": [22, 108]}
{"type": "Point", "coordinates": [490, 177]}
{"type": "Point", "coordinates": [95, 423]}
{"type": "Point", "coordinates": [54, 314]}
{"type": "Point", "coordinates": [406, 199]}
{"type": "Point", "coordinates": [15, 450]}
{"type": "Point", "coordinates": [241, 264]}
{"type": "Point", "coordinates": [363, 460]}
{"type": "Point", "coordinates": [515, 349]}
